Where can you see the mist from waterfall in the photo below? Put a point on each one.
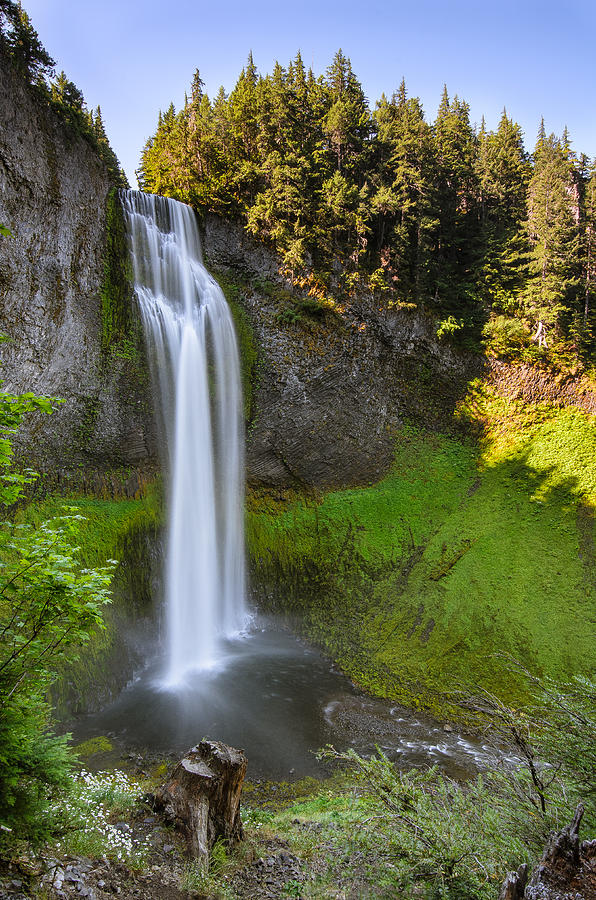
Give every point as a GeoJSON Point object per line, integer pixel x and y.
{"type": "Point", "coordinates": [195, 367]}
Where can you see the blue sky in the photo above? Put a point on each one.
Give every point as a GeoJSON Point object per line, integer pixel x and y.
{"type": "Point", "coordinates": [135, 56]}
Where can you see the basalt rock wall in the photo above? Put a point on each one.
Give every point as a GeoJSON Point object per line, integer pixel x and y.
{"type": "Point", "coordinates": [332, 388]}
{"type": "Point", "coordinates": [54, 192]}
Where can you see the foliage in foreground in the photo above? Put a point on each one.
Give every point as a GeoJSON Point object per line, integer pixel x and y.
{"type": "Point", "coordinates": [420, 833]}
{"type": "Point", "coordinates": [49, 606]}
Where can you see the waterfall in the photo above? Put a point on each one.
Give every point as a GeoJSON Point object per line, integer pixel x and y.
{"type": "Point", "coordinates": [195, 369]}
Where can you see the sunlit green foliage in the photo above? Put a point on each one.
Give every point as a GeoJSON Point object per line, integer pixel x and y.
{"type": "Point", "coordinates": [440, 214]}
{"type": "Point", "coordinates": [421, 582]}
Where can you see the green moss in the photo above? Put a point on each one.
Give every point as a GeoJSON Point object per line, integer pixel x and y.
{"type": "Point", "coordinates": [234, 286]}
{"type": "Point", "coordinates": [120, 329]}
{"type": "Point", "coordinates": [426, 581]}
{"type": "Point", "coordinates": [93, 746]}
{"type": "Point", "coordinates": [274, 795]}
{"type": "Point", "coordinates": [108, 524]}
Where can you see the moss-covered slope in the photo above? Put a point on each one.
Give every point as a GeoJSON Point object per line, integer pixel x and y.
{"type": "Point", "coordinates": [463, 555]}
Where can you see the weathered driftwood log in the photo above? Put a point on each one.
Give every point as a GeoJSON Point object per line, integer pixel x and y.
{"type": "Point", "coordinates": [202, 797]}
{"type": "Point", "coordinates": [567, 870]}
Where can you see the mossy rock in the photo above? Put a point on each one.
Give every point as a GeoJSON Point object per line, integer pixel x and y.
{"type": "Point", "coordinates": [93, 746]}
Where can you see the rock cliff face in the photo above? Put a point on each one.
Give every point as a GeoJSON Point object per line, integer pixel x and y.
{"type": "Point", "coordinates": [332, 389]}
{"type": "Point", "coordinates": [53, 194]}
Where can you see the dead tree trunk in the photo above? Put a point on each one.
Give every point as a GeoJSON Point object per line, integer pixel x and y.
{"type": "Point", "coordinates": [514, 885]}
{"type": "Point", "coordinates": [202, 797]}
{"type": "Point", "coordinates": [567, 869]}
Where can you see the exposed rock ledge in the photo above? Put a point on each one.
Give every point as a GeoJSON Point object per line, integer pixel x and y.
{"type": "Point", "coordinates": [534, 385]}
{"type": "Point", "coordinates": [332, 391]}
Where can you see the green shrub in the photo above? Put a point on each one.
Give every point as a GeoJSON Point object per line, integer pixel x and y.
{"type": "Point", "coordinates": [49, 605]}
{"type": "Point", "coordinates": [505, 336]}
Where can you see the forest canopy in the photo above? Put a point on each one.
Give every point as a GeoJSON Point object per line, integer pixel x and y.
{"type": "Point", "coordinates": [444, 215]}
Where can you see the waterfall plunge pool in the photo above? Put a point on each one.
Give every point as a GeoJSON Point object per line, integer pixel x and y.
{"type": "Point", "coordinates": [279, 700]}
{"type": "Point", "coordinates": [270, 694]}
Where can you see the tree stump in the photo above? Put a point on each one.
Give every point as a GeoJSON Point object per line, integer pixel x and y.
{"type": "Point", "coordinates": [202, 797]}
{"type": "Point", "coordinates": [567, 870]}
{"type": "Point", "coordinates": [514, 885]}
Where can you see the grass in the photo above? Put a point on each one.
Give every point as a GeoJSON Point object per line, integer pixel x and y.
{"type": "Point", "coordinates": [461, 556]}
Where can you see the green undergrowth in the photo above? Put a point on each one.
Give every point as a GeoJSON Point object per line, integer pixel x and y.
{"type": "Point", "coordinates": [387, 833]}
{"type": "Point", "coordinates": [353, 844]}
{"type": "Point", "coordinates": [112, 529]}
{"type": "Point", "coordinates": [377, 830]}
{"type": "Point", "coordinates": [461, 557]}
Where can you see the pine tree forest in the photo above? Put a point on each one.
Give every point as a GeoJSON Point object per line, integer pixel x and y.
{"type": "Point", "coordinates": [497, 243]}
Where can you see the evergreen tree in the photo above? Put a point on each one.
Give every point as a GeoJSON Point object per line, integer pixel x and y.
{"type": "Point", "coordinates": [455, 200]}
{"type": "Point", "coordinates": [553, 231]}
{"type": "Point", "coordinates": [347, 123]}
{"type": "Point", "coordinates": [68, 96]}
{"type": "Point", "coordinates": [503, 172]}
{"type": "Point", "coordinates": [402, 197]}
{"type": "Point", "coordinates": [21, 42]}
{"type": "Point", "coordinates": [589, 258]}
{"type": "Point", "coordinates": [243, 114]}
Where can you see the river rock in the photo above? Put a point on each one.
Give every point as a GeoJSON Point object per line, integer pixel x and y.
{"type": "Point", "coordinates": [202, 797]}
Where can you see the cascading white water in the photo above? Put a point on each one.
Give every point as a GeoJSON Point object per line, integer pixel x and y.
{"type": "Point", "coordinates": [194, 358]}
